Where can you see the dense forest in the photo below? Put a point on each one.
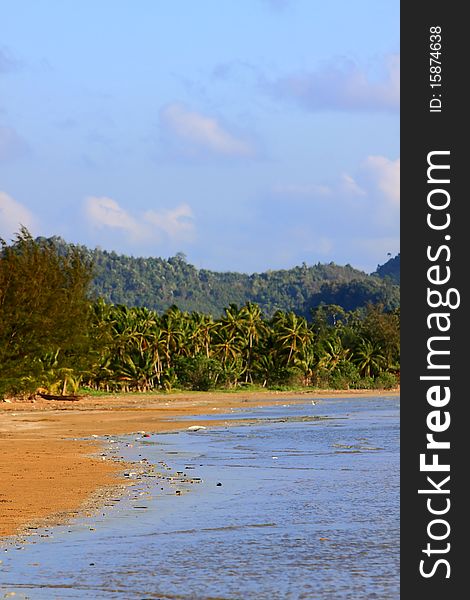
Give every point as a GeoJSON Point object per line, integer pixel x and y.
{"type": "Point", "coordinates": [55, 337]}
{"type": "Point", "coordinates": [158, 283]}
{"type": "Point", "coordinates": [390, 270]}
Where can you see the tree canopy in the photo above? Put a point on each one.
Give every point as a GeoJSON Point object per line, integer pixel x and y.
{"type": "Point", "coordinates": [158, 283]}
{"type": "Point", "coordinates": [54, 335]}
{"type": "Point", "coordinates": [44, 310]}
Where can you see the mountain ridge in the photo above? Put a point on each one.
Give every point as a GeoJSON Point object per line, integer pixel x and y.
{"type": "Point", "coordinates": [158, 283]}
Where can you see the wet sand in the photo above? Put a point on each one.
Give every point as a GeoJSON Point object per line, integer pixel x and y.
{"type": "Point", "coordinates": [47, 475]}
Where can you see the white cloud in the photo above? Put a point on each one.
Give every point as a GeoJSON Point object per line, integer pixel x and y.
{"type": "Point", "coordinates": [343, 85]}
{"type": "Point", "coordinates": [374, 185]}
{"type": "Point", "coordinates": [193, 132]}
{"type": "Point", "coordinates": [355, 214]}
{"type": "Point", "coordinates": [349, 186]}
{"type": "Point", "coordinates": [106, 212]}
{"type": "Point", "coordinates": [175, 224]}
{"type": "Point", "coordinates": [386, 174]}
{"type": "Point", "coordinates": [374, 191]}
{"type": "Point", "coordinates": [12, 216]}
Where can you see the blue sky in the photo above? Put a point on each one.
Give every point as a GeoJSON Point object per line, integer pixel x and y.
{"type": "Point", "coordinates": [248, 134]}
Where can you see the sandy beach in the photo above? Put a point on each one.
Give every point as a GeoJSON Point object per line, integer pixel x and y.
{"type": "Point", "coordinates": [49, 475]}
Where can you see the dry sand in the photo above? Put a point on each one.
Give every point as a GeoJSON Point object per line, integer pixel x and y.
{"type": "Point", "coordinates": [47, 474]}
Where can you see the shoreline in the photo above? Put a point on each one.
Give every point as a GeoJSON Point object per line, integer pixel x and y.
{"type": "Point", "coordinates": [50, 475]}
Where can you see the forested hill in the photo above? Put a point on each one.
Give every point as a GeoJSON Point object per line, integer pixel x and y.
{"type": "Point", "coordinates": [390, 269]}
{"type": "Point", "coordinates": [158, 283]}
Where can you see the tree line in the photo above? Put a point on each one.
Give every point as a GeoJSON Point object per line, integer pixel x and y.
{"type": "Point", "coordinates": [53, 337]}
{"type": "Point", "coordinates": [159, 283]}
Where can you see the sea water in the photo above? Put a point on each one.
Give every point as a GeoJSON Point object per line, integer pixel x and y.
{"type": "Point", "coordinates": [303, 502]}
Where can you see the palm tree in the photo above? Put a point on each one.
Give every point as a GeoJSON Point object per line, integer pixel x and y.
{"type": "Point", "coordinates": [307, 363]}
{"type": "Point", "coordinates": [156, 350]}
{"type": "Point", "coordinates": [332, 354]}
{"type": "Point", "coordinates": [265, 367]}
{"type": "Point", "coordinates": [292, 334]}
{"type": "Point", "coordinates": [172, 329]}
{"type": "Point", "coordinates": [369, 358]}
{"type": "Point", "coordinates": [227, 345]}
{"type": "Point", "coordinates": [232, 320]}
{"type": "Point", "coordinates": [252, 328]}
{"type": "Point", "coordinates": [201, 328]}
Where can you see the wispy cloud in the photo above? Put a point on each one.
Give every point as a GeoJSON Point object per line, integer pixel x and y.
{"type": "Point", "coordinates": [342, 85]}
{"type": "Point", "coordinates": [12, 144]}
{"type": "Point", "coordinates": [349, 187]}
{"type": "Point", "coordinates": [177, 223]}
{"type": "Point", "coordinates": [354, 214]}
{"type": "Point", "coordinates": [344, 187]}
{"type": "Point", "coordinates": [13, 215]}
{"type": "Point", "coordinates": [381, 177]}
{"type": "Point", "coordinates": [174, 224]}
{"type": "Point", "coordinates": [386, 174]}
{"type": "Point", "coordinates": [375, 186]}
{"type": "Point", "coordinates": [106, 212]}
{"type": "Point", "coordinates": [193, 134]}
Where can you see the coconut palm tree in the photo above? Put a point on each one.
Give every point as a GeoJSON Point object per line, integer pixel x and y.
{"type": "Point", "coordinates": [292, 335]}
{"type": "Point", "coordinates": [369, 358]}
{"type": "Point", "coordinates": [172, 329]}
{"type": "Point", "coordinates": [332, 353]}
{"type": "Point", "coordinates": [252, 329]}
{"type": "Point", "coordinates": [201, 328]}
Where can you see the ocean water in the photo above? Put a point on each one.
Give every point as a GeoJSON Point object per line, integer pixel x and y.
{"type": "Point", "coordinates": [301, 503]}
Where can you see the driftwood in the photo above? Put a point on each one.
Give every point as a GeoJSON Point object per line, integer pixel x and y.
{"type": "Point", "coordinates": [71, 398]}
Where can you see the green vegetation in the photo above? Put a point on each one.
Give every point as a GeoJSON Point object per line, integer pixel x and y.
{"type": "Point", "coordinates": [53, 336]}
{"type": "Point", "coordinates": [390, 270]}
{"type": "Point", "coordinates": [44, 315]}
{"type": "Point", "coordinates": [157, 284]}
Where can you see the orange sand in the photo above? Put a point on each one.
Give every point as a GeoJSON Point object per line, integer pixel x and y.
{"type": "Point", "coordinates": [47, 476]}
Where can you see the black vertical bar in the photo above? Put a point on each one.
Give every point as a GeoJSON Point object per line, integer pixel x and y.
{"type": "Point", "coordinates": [433, 119]}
